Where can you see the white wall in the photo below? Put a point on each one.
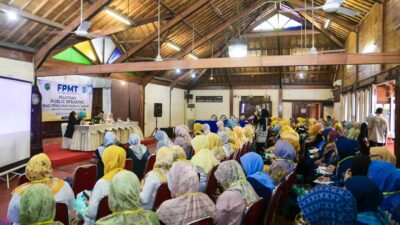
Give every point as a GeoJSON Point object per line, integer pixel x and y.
{"type": "Point", "coordinates": [307, 94]}
{"type": "Point", "coordinates": [161, 94]}
{"type": "Point", "coordinates": [203, 110]}
{"type": "Point", "coordinates": [273, 93]}
{"type": "Point", "coordinates": [17, 69]}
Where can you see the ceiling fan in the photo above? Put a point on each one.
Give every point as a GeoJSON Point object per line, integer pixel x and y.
{"type": "Point", "coordinates": [331, 6]}
{"type": "Point", "coordinates": [82, 30]}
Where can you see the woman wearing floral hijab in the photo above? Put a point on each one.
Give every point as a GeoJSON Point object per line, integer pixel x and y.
{"type": "Point", "coordinates": [206, 129]}
{"type": "Point", "coordinates": [284, 163]}
{"type": "Point", "coordinates": [237, 196]}
{"type": "Point", "coordinates": [38, 206]}
{"type": "Point", "coordinates": [215, 146]}
{"type": "Point", "coordinates": [124, 202]}
{"type": "Point", "coordinates": [226, 143]}
{"type": "Point", "coordinates": [138, 153]}
{"type": "Point", "coordinates": [187, 204]}
{"type": "Point", "coordinates": [39, 170]}
{"type": "Point", "coordinates": [156, 177]}
{"type": "Point", "coordinates": [183, 139]}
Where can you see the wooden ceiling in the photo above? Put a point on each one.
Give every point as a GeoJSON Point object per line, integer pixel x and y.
{"type": "Point", "coordinates": [214, 22]}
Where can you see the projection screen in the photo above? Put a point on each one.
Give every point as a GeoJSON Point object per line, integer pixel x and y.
{"type": "Point", "coordinates": [15, 119]}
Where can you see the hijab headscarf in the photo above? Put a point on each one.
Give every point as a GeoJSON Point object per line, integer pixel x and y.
{"type": "Point", "coordinates": [346, 147]}
{"type": "Point", "coordinates": [197, 129]}
{"type": "Point", "coordinates": [291, 136]}
{"type": "Point", "coordinates": [109, 139]}
{"type": "Point", "coordinates": [328, 205]}
{"type": "Point", "coordinates": [163, 140]}
{"type": "Point", "coordinates": [164, 159]}
{"type": "Point", "coordinates": [187, 204]}
{"type": "Point", "coordinates": [206, 129]}
{"type": "Point", "coordinates": [178, 153]}
{"type": "Point", "coordinates": [39, 170]}
{"type": "Point", "coordinates": [249, 132]}
{"type": "Point", "coordinates": [114, 158]}
{"type": "Point", "coordinates": [382, 153]}
{"type": "Point", "coordinates": [203, 157]}
{"type": "Point", "coordinates": [37, 206]}
{"type": "Point", "coordinates": [238, 130]}
{"type": "Point", "coordinates": [181, 131]}
{"type": "Point", "coordinates": [333, 135]}
{"type": "Point", "coordinates": [253, 165]}
{"type": "Point", "coordinates": [354, 131]}
{"type": "Point", "coordinates": [221, 126]}
{"type": "Point", "coordinates": [134, 144]}
{"type": "Point", "coordinates": [234, 140]}
{"type": "Point", "coordinates": [231, 176]}
{"type": "Point", "coordinates": [227, 146]}
{"type": "Point", "coordinates": [285, 154]}
{"type": "Point", "coordinates": [365, 192]}
{"type": "Point", "coordinates": [215, 146]}
{"type": "Point", "coordinates": [124, 202]}
{"type": "Point", "coordinates": [360, 165]}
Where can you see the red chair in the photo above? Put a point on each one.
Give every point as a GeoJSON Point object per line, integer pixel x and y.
{"type": "Point", "coordinates": [212, 182]}
{"type": "Point", "coordinates": [103, 209]}
{"type": "Point", "coordinates": [270, 212]}
{"type": "Point", "coordinates": [62, 213]}
{"type": "Point", "coordinates": [84, 178]}
{"type": "Point", "coordinates": [163, 194]}
{"type": "Point", "coordinates": [22, 179]}
{"type": "Point", "coordinates": [253, 213]}
{"type": "Point", "coordinates": [129, 164]}
{"type": "Point", "coordinates": [204, 221]}
{"type": "Point", "coordinates": [150, 164]}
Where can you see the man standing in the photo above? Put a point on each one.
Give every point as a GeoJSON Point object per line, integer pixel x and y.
{"type": "Point", "coordinates": [377, 129]}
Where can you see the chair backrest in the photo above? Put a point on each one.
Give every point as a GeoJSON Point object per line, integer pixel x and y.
{"type": "Point", "coordinates": [129, 164]}
{"type": "Point", "coordinates": [253, 213]}
{"type": "Point", "coordinates": [22, 179]}
{"type": "Point", "coordinates": [150, 164]}
{"type": "Point", "coordinates": [204, 221]}
{"type": "Point", "coordinates": [211, 186]}
{"type": "Point", "coordinates": [163, 194]}
{"type": "Point", "coordinates": [84, 178]}
{"type": "Point", "coordinates": [62, 213]}
{"type": "Point", "coordinates": [232, 156]}
{"type": "Point", "coordinates": [273, 203]}
{"type": "Point", "coordinates": [104, 209]}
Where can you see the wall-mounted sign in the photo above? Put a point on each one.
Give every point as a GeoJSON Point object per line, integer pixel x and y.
{"type": "Point", "coordinates": [209, 99]}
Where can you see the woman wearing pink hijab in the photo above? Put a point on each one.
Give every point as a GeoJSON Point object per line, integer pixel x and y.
{"type": "Point", "coordinates": [183, 139]}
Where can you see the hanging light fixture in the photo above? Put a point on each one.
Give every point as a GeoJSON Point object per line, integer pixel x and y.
{"type": "Point", "coordinates": [193, 74]}
{"type": "Point", "coordinates": [301, 75]}
{"type": "Point", "coordinates": [178, 71]}
{"type": "Point", "coordinates": [237, 47]}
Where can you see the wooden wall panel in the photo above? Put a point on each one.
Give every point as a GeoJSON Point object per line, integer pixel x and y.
{"type": "Point", "coordinates": [349, 76]}
{"type": "Point", "coordinates": [392, 27]}
{"type": "Point", "coordinates": [125, 100]}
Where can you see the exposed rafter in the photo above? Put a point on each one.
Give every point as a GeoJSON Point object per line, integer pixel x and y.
{"type": "Point", "coordinates": [17, 47]}
{"type": "Point", "coordinates": [254, 61]}
{"type": "Point", "coordinates": [178, 18]}
{"type": "Point", "coordinates": [88, 14]}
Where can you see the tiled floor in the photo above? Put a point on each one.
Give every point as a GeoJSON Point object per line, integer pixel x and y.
{"type": "Point", "coordinates": [60, 172]}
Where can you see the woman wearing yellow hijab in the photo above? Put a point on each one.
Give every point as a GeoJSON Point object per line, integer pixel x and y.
{"type": "Point", "coordinates": [197, 129]}
{"type": "Point", "coordinates": [249, 132]}
{"type": "Point", "coordinates": [215, 146]}
{"type": "Point", "coordinates": [156, 177]}
{"type": "Point", "coordinates": [240, 135]}
{"type": "Point", "coordinates": [291, 136]}
{"type": "Point", "coordinates": [114, 158]}
{"type": "Point", "coordinates": [234, 141]}
{"type": "Point", "coordinates": [39, 170]}
{"type": "Point", "coordinates": [203, 159]}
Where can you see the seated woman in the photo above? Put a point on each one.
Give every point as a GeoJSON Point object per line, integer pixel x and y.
{"type": "Point", "coordinates": [347, 127]}
{"type": "Point", "coordinates": [249, 133]}
{"type": "Point", "coordinates": [38, 206]}
{"type": "Point", "coordinates": [179, 155]}
{"type": "Point", "coordinates": [109, 140]}
{"type": "Point", "coordinates": [183, 139]}
{"type": "Point", "coordinates": [39, 170]}
{"type": "Point", "coordinates": [138, 153]}
{"type": "Point", "coordinates": [197, 129]}
{"type": "Point", "coordinates": [383, 154]}
{"type": "Point", "coordinates": [237, 196]}
{"type": "Point", "coordinates": [238, 130]}
{"type": "Point", "coordinates": [387, 177]}
{"type": "Point", "coordinates": [206, 129]}
{"type": "Point", "coordinates": [327, 205]}
{"type": "Point", "coordinates": [253, 165]}
{"type": "Point", "coordinates": [359, 167]}
{"type": "Point", "coordinates": [368, 198]}
{"type": "Point", "coordinates": [162, 140]}
{"type": "Point", "coordinates": [226, 143]}
{"type": "Point", "coordinates": [215, 146]}
{"type": "Point", "coordinates": [284, 164]}
{"type": "Point", "coordinates": [156, 177]}
{"type": "Point", "coordinates": [235, 143]}
{"type": "Point", "coordinates": [203, 159]}
{"type": "Point", "coordinates": [114, 158]}
{"type": "Point", "coordinates": [124, 202]}
{"type": "Point", "coordinates": [221, 126]}
{"type": "Point", "coordinates": [187, 204]}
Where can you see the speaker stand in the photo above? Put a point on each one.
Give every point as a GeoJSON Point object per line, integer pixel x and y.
{"type": "Point", "coordinates": [155, 129]}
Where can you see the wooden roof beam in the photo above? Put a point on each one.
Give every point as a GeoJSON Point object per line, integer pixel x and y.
{"type": "Point", "coordinates": [17, 47]}
{"type": "Point", "coordinates": [251, 61]}
{"type": "Point", "coordinates": [32, 17]}
{"type": "Point", "coordinates": [280, 33]}
{"type": "Point", "coordinates": [87, 15]}
{"type": "Point", "coordinates": [332, 37]}
{"type": "Point", "coordinates": [178, 18]}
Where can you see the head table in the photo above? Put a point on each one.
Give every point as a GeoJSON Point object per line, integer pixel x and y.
{"type": "Point", "coordinates": [89, 137]}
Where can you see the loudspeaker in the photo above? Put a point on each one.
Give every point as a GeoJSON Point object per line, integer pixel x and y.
{"type": "Point", "coordinates": [157, 109]}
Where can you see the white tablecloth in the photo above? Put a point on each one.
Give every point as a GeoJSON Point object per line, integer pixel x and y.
{"type": "Point", "coordinates": [89, 137]}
